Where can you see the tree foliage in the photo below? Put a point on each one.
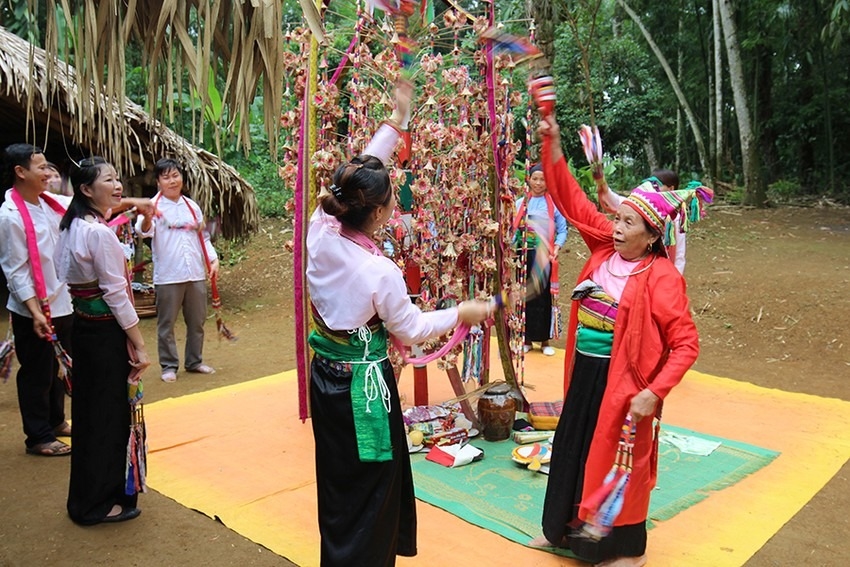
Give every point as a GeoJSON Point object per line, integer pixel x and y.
{"type": "Point", "coordinates": [794, 56]}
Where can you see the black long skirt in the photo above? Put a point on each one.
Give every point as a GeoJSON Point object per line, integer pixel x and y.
{"type": "Point", "coordinates": [570, 448]}
{"type": "Point", "coordinates": [538, 308]}
{"type": "Point", "coordinates": [367, 513]}
{"type": "Point", "coordinates": [101, 426]}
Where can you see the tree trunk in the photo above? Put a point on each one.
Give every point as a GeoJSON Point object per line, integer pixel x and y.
{"type": "Point", "coordinates": [703, 158]}
{"type": "Point", "coordinates": [806, 160]}
{"type": "Point", "coordinates": [680, 73]}
{"type": "Point", "coordinates": [717, 170]}
{"type": "Point", "coordinates": [546, 20]}
{"type": "Point", "coordinates": [651, 156]}
{"type": "Point", "coordinates": [754, 191]}
{"type": "Point", "coordinates": [766, 135]}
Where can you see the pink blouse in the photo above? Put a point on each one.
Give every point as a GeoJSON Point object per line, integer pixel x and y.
{"type": "Point", "coordinates": [349, 285]}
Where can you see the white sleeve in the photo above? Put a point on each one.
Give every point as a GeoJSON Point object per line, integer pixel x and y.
{"type": "Point", "coordinates": [679, 260]}
{"type": "Point", "coordinates": [111, 272]}
{"type": "Point", "coordinates": [14, 258]}
{"type": "Point", "coordinates": [142, 233]}
{"type": "Point", "coordinates": [404, 319]}
{"type": "Point", "coordinates": [383, 143]}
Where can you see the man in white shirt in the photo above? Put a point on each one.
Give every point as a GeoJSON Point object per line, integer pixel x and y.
{"type": "Point", "coordinates": [41, 394]}
{"type": "Point", "coordinates": [179, 269]}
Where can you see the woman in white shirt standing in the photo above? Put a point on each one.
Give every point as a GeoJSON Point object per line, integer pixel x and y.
{"type": "Point", "coordinates": [89, 258]}
{"type": "Point", "coordinates": [179, 269]}
{"type": "Point", "coordinates": [367, 514]}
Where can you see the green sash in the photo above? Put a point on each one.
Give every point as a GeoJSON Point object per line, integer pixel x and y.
{"type": "Point", "coordinates": [594, 342]}
{"type": "Point", "coordinates": [94, 306]}
{"type": "Point", "coordinates": [365, 352]}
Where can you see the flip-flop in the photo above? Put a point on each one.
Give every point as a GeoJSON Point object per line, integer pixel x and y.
{"type": "Point", "coordinates": [51, 449]}
{"type": "Point", "coordinates": [62, 430]}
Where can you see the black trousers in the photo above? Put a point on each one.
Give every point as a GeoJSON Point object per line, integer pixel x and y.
{"type": "Point", "coordinates": [41, 394]}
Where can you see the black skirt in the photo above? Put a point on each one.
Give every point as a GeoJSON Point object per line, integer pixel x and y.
{"type": "Point", "coordinates": [538, 309]}
{"type": "Point", "coordinates": [101, 415]}
{"type": "Point", "coordinates": [367, 513]}
{"type": "Point", "coordinates": [570, 448]}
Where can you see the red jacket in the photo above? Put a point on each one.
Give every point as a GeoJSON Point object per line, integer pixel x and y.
{"type": "Point", "coordinates": [655, 343]}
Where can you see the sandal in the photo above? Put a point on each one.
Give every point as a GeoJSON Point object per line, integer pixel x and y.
{"type": "Point", "coordinates": [62, 430]}
{"type": "Point", "coordinates": [202, 369]}
{"type": "Point", "coordinates": [50, 449]}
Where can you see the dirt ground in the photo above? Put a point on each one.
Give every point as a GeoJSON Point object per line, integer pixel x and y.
{"type": "Point", "coordinates": [769, 293]}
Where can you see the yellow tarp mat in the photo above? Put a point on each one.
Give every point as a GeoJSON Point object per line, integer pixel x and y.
{"type": "Point", "coordinates": [241, 454]}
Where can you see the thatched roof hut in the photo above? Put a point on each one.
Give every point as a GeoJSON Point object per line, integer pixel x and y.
{"type": "Point", "coordinates": [45, 112]}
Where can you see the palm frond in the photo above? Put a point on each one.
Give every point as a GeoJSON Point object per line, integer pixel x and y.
{"type": "Point", "coordinates": [105, 123]}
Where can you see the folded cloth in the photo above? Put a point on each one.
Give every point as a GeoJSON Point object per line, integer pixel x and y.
{"type": "Point", "coordinates": [454, 455]}
{"type": "Point", "coordinates": [545, 415]}
{"type": "Point", "coordinates": [690, 444]}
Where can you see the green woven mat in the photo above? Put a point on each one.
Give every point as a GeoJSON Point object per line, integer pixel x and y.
{"type": "Point", "coordinates": [503, 497]}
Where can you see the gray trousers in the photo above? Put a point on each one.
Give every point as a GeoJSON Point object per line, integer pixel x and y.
{"type": "Point", "coordinates": [191, 297]}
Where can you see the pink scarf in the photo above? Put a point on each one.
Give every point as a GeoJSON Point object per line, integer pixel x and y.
{"type": "Point", "coordinates": [32, 247]}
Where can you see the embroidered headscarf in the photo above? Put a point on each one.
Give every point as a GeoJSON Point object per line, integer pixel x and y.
{"type": "Point", "coordinates": [660, 209]}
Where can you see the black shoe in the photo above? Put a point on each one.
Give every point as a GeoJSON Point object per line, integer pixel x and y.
{"type": "Point", "coordinates": [126, 514]}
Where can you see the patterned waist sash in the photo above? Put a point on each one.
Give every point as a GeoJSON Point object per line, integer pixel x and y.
{"type": "Point", "coordinates": [88, 301]}
{"type": "Point", "coordinates": [597, 313]}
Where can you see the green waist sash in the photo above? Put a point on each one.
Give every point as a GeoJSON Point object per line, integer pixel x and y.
{"type": "Point", "coordinates": [370, 398]}
{"type": "Point", "coordinates": [594, 342]}
{"type": "Point", "coordinates": [88, 301]}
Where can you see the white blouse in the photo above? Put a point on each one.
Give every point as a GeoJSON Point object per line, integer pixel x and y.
{"type": "Point", "coordinates": [90, 251]}
{"type": "Point", "coordinates": [175, 246]}
{"type": "Point", "coordinates": [349, 285]}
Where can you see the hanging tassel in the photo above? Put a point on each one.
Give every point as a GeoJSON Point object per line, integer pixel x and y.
{"type": "Point", "coordinates": [473, 355]}
{"type": "Point", "coordinates": [135, 469]}
{"type": "Point", "coordinates": [591, 143]}
{"type": "Point", "coordinates": [7, 352]}
{"type": "Point", "coordinates": [65, 364]}
{"type": "Point", "coordinates": [694, 210]}
{"type": "Point", "coordinates": [606, 502]}
{"type": "Point", "coordinates": [557, 326]}
{"type": "Point", "coordinates": [669, 233]}
{"type": "Point", "coordinates": [223, 331]}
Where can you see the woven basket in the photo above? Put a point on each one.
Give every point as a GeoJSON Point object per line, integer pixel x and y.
{"type": "Point", "coordinates": [145, 299]}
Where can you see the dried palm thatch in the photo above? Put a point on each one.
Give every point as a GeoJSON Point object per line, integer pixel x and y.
{"type": "Point", "coordinates": [117, 129]}
{"type": "Point", "coordinates": [192, 38]}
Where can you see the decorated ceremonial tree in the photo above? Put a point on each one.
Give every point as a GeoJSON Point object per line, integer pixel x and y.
{"type": "Point", "coordinates": [458, 171]}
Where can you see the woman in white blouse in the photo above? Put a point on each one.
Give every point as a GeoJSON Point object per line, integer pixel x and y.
{"type": "Point", "coordinates": [89, 258]}
{"type": "Point", "coordinates": [367, 513]}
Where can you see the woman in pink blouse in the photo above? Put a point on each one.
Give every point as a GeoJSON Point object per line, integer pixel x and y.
{"type": "Point", "coordinates": [90, 259]}
{"type": "Point", "coordinates": [367, 514]}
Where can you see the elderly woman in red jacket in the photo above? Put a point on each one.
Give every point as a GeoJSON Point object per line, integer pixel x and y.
{"type": "Point", "coordinates": [630, 340]}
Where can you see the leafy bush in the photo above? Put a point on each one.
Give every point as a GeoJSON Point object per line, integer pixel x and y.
{"type": "Point", "coordinates": [784, 191]}
{"type": "Point", "coordinates": [261, 172]}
